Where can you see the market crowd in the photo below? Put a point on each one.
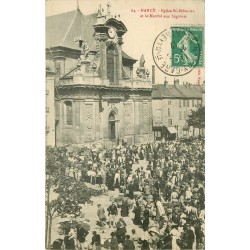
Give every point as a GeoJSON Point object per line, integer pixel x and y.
{"type": "Point", "coordinates": [166, 198]}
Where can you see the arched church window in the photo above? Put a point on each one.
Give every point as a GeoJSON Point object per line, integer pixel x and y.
{"type": "Point", "coordinates": [68, 113]}
{"type": "Point", "coordinates": [112, 117]}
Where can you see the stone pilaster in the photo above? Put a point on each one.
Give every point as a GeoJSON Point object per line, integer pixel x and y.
{"type": "Point", "coordinates": [103, 50]}
{"type": "Point", "coordinates": [119, 47]}
{"type": "Point", "coordinates": [59, 64]}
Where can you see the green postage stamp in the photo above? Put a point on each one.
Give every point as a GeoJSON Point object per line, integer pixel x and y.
{"type": "Point", "coordinates": [187, 46]}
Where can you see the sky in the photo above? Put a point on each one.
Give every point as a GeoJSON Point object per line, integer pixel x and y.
{"type": "Point", "coordinates": [142, 31]}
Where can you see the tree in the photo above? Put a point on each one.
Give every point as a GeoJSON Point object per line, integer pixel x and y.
{"type": "Point", "coordinates": [67, 193]}
{"type": "Point", "coordinates": [197, 118]}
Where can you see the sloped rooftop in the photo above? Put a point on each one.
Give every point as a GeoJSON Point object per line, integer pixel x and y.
{"type": "Point", "coordinates": [61, 30]}
{"type": "Point", "coordinates": [176, 91]}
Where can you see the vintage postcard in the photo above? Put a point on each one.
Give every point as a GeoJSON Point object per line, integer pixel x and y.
{"type": "Point", "coordinates": [125, 124]}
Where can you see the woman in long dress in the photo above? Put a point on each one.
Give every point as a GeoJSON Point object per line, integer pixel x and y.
{"type": "Point", "coordinates": [137, 212]}
{"type": "Point", "coordinates": [99, 177]}
{"type": "Point", "coordinates": [124, 208]}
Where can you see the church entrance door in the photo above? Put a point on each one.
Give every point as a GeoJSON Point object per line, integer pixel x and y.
{"type": "Point", "coordinates": [112, 132]}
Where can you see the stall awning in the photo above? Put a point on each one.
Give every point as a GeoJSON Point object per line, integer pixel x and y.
{"type": "Point", "coordinates": [172, 130]}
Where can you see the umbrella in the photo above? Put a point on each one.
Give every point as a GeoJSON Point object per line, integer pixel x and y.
{"type": "Point", "coordinates": [154, 231]}
{"type": "Point", "coordinates": [85, 225]}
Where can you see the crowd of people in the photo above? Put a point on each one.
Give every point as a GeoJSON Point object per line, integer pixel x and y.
{"type": "Point", "coordinates": [166, 196]}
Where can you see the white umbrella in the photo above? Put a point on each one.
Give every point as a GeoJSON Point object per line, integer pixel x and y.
{"type": "Point", "coordinates": [154, 231]}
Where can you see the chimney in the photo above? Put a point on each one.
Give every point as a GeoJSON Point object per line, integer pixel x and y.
{"type": "Point", "coordinates": [176, 82]}
{"type": "Point", "coordinates": [203, 87]}
{"type": "Point", "coordinates": [165, 83]}
{"type": "Point", "coordinates": [153, 74]}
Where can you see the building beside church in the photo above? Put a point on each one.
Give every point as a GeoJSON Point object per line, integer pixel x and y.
{"type": "Point", "coordinates": [171, 106]}
{"type": "Point", "coordinates": [50, 108]}
{"type": "Point", "coordinates": [97, 98]}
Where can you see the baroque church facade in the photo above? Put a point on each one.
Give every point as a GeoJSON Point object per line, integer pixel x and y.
{"type": "Point", "coordinates": [97, 98]}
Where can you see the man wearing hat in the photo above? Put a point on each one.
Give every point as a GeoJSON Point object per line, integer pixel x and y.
{"type": "Point", "coordinates": [145, 222]}
{"type": "Point", "coordinates": [112, 213]}
{"type": "Point", "coordinates": [96, 240]}
{"type": "Point", "coordinates": [101, 215]}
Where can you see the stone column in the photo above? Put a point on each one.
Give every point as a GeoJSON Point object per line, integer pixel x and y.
{"type": "Point", "coordinates": [77, 121]}
{"type": "Point", "coordinates": [121, 122]}
{"type": "Point", "coordinates": [62, 122]}
{"type": "Point", "coordinates": [97, 120]}
{"type": "Point", "coordinates": [101, 126]}
{"type": "Point", "coordinates": [136, 119]}
{"type": "Point", "coordinates": [119, 47]}
{"type": "Point", "coordinates": [150, 120]}
{"type": "Point", "coordinates": [105, 124]}
{"type": "Point", "coordinates": [74, 121]}
{"type": "Point", "coordinates": [103, 48]}
{"type": "Point", "coordinates": [82, 121]}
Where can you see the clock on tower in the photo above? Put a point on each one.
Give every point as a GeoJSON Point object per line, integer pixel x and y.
{"type": "Point", "coordinates": [111, 32]}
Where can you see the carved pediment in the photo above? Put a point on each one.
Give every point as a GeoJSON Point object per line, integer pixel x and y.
{"type": "Point", "coordinates": [118, 25]}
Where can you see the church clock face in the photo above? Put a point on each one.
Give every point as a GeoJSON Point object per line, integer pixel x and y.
{"type": "Point", "coordinates": [111, 32]}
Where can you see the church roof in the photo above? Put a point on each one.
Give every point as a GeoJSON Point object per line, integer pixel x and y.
{"type": "Point", "coordinates": [62, 29]}
{"type": "Point", "coordinates": [177, 91]}
{"type": "Point", "coordinates": [125, 56]}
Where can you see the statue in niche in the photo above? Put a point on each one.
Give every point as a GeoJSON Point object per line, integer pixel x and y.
{"type": "Point", "coordinates": [142, 62]}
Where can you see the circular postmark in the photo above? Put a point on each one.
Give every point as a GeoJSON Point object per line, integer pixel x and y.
{"type": "Point", "coordinates": [176, 51]}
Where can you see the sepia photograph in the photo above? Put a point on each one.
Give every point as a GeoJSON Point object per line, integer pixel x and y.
{"type": "Point", "coordinates": [125, 124]}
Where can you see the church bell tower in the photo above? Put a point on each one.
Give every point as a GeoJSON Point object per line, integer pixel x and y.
{"type": "Point", "coordinates": [108, 34]}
